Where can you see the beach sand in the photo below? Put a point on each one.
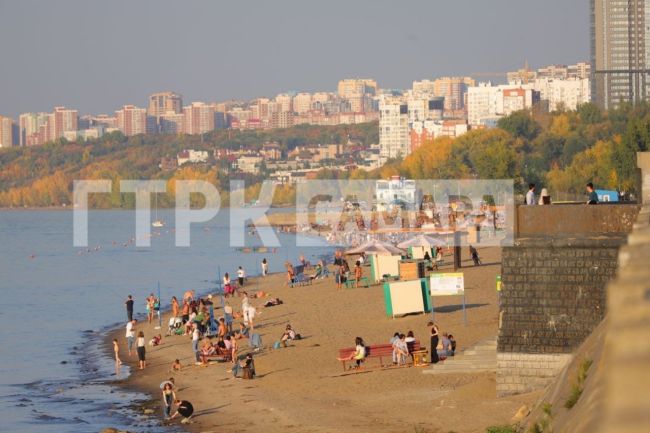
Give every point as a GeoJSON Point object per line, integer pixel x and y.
{"type": "Point", "coordinates": [302, 388]}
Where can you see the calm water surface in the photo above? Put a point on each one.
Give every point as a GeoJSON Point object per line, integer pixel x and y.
{"type": "Point", "coordinates": [59, 300]}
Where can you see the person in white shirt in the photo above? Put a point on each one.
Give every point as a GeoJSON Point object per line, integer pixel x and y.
{"type": "Point", "coordinates": [195, 344]}
{"type": "Point", "coordinates": [265, 267]}
{"type": "Point", "coordinates": [130, 335]}
{"type": "Point", "coordinates": [530, 195]}
{"type": "Point", "coordinates": [249, 315]}
{"type": "Point", "coordinates": [240, 276]}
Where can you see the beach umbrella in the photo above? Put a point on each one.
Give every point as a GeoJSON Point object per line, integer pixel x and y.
{"type": "Point", "coordinates": [376, 247]}
{"type": "Point", "coordinates": [422, 241]}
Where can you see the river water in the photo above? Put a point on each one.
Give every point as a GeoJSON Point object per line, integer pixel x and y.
{"type": "Point", "coordinates": [59, 301]}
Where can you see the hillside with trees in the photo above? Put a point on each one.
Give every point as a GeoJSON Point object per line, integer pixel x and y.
{"type": "Point", "coordinates": [560, 151]}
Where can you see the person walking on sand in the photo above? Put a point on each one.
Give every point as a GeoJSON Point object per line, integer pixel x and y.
{"type": "Point", "coordinates": [195, 343]}
{"type": "Point", "coordinates": [130, 335]}
{"type": "Point", "coordinates": [169, 397]}
{"type": "Point", "coordinates": [129, 307]}
{"type": "Point", "coordinates": [116, 351]}
{"type": "Point", "coordinates": [435, 334]}
{"type": "Point", "coordinates": [140, 347]}
{"type": "Point", "coordinates": [265, 267]}
{"type": "Point", "coordinates": [174, 307]}
{"type": "Point", "coordinates": [241, 274]}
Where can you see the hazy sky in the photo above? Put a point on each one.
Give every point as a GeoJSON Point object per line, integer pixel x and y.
{"type": "Point", "coordinates": [98, 55]}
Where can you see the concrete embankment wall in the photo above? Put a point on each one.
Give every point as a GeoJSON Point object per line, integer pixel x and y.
{"type": "Point", "coordinates": [553, 297]}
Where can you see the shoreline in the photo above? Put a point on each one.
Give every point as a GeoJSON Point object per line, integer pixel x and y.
{"type": "Point", "coordinates": [282, 397]}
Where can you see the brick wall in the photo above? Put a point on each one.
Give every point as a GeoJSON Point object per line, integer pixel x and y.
{"type": "Point", "coordinates": [553, 296]}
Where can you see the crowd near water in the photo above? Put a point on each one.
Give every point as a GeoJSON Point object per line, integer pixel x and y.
{"type": "Point", "coordinates": [61, 301]}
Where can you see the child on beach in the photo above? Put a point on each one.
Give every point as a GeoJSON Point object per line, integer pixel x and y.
{"type": "Point", "coordinates": [116, 350]}
{"type": "Point", "coordinates": [176, 365]}
{"type": "Point", "coordinates": [156, 340]}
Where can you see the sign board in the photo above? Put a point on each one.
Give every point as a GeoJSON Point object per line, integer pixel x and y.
{"type": "Point", "coordinates": [449, 284]}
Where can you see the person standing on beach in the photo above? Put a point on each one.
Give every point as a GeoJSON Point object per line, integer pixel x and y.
{"type": "Point", "coordinates": [174, 307]}
{"type": "Point", "coordinates": [228, 317]}
{"type": "Point", "coordinates": [116, 350]}
{"type": "Point", "coordinates": [130, 335]}
{"type": "Point", "coordinates": [435, 336]}
{"type": "Point", "coordinates": [140, 347]}
{"type": "Point", "coordinates": [168, 399]}
{"type": "Point", "coordinates": [148, 302]}
{"type": "Point", "coordinates": [129, 307]}
{"type": "Point", "coordinates": [241, 274]}
{"type": "Point", "coordinates": [265, 267]}
{"type": "Point", "coordinates": [195, 343]}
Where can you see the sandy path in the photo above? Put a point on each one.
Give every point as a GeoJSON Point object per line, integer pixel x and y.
{"type": "Point", "coordinates": [300, 388]}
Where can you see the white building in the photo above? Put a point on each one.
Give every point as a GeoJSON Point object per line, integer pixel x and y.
{"type": "Point", "coordinates": [568, 93]}
{"type": "Point", "coordinates": [396, 191]}
{"type": "Point", "coordinates": [249, 163]}
{"type": "Point", "coordinates": [192, 156]}
{"type": "Point", "coordinates": [302, 103]}
{"type": "Point", "coordinates": [486, 102]}
{"type": "Point", "coordinates": [393, 128]}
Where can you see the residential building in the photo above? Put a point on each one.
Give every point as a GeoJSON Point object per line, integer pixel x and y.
{"type": "Point", "coordinates": [30, 126]}
{"type": "Point", "coordinates": [356, 86]}
{"type": "Point", "coordinates": [581, 70]}
{"type": "Point", "coordinates": [427, 130]}
{"type": "Point", "coordinates": [563, 93]}
{"type": "Point", "coordinates": [393, 128]}
{"type": "Point", "coordinates": [192, 156]}
{"type": "Point", "coordinates": [271, 151]}
{"type": "Point", "coordinates": [171, 122]}
{"type": "Point", "coordinates": [198, 118]}
{"type": "Point", "coordinates": [132, 120]}
{"type": "Point", "coordinates": [485, 102]}
{"type": "Point", "coordinates": [285, 102]}
{"type": "Point", "coordinates": [61, 120]}
{"type": "Point", "coordinates": [164, 102]}
{"type": "Point", "coordinates": [453, 89]}
{"type": "Point", "coordinates": [302, 103]}
{"type": "Point", "coordinates": [104, 120]}
{"type": "Point", "coordinates": [249, 163]}
{"type": "Point", "coordinates": [92, 133]}
{"type": "Point", "coordinates": [6, 132]}
{"type": "Point", "coordinates": [620, 51]}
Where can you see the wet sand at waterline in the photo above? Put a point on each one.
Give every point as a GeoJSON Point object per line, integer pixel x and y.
{"type": "Point", "coordinates": [302, 388]}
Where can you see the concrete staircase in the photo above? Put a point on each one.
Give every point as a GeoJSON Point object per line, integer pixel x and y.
{"type": "Point", "coordinates": [478, 358]}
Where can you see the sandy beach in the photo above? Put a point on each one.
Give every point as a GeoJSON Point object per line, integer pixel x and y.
{"type": "Point", "coordinates": [302, 388]}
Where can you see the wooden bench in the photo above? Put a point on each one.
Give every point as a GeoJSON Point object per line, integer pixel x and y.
{"type": "Point", "coordinates": [380, 351]}
{"type": "Point", "coordinates": [363, 281]}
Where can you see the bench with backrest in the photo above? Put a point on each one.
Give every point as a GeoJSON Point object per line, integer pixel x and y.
{"type": "Point", "coordinates": [380, 351]}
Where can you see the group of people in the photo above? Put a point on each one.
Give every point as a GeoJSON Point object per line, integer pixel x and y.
{"type": "Point", "coordinates": [401, 350]}
{"type": "Point", "coordinates": [183, 407]}
{"type": "Point", "coordinates": [442, 346]}
{"type": "Point", "coordinates": [342, 269]}
{"type": "Point", "coordinates": [545, 198]}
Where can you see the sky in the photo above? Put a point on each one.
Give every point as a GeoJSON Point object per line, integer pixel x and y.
{"type": "Point", "coordinates": [96, 56]}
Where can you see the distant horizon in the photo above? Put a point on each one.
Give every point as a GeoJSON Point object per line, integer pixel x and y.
{"type": "Point", "coordinates": [95, 60]}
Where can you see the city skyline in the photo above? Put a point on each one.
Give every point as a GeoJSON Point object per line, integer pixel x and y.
{"type": "Point", "coordinates": [262, 50]}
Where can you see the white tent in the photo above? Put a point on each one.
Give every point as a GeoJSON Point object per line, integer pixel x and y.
{"type": "Point", "coordinates": [376, 247]}
{"type": "Point", "coordinates": [422, 241]}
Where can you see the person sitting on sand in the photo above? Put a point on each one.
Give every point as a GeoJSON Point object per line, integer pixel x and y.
{"type": "Point", "coordinates": [243, 332]}
{"type": "Point", "coordinates": [359, 354]}
{"type": "Point", "coordinates": [156, 340]}
{"type": "Point", "coordinates": [248, 364]}
{"type": "Point", "coordinates": [452, 341]}
{"type": "Point", "coordinates": [444, 348]}
{"type": "Point", "coordinates": [183, 408]}
{"type": "Point", "coordinates": [289, 334]}
{"type": "Point", "coordinates": [176, 365]}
